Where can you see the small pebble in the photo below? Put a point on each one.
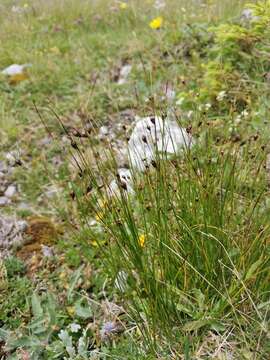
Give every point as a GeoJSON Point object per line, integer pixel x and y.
{"type": "Point", "coordinates": [47, 251]}
{"type": "Point", "coordinates": [10, 191]}
{"type": "Point", "coordinates": [4, 200]}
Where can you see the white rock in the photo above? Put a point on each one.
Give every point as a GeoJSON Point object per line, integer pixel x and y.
{"type": "Point", "coordinates": [4, 200]}
{"type": "Point", "coordinates": [47, 251]}
{"type": "Point", "coordinates": [22, 225]}
{"type": "Point", "coordinates": [124, 73]}
{"type": "Point", "coordinates": [14, 69]}
{"type": "Point", "coordinates": [152, 135]}
{"type": "Point", "coordinates": [51, 192]}
{"type": "Point", "coordinates": [10, 157]}
{"type": "Point", "coordinates": [124, 180]}
{"type": "Point", "coordinates": [10, 191]}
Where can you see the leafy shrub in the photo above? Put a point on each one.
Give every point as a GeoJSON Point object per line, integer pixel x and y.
{"type": "Point", "coordinates": [239, 56]}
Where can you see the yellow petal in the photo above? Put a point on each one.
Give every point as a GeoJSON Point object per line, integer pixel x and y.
{"type": "Point", "coordinates": [142, 240]}
{"type": "Point", "coordinates": [156, 23]}
{"type": "Point", "coordinates": [122, 5]}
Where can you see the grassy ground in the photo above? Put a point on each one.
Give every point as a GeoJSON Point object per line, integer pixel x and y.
{"type": "Point", "coordinates": [197, 286]}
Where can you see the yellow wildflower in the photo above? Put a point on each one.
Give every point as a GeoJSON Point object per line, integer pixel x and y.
{"type": "Point", "coordinates": [142, 240]}
{"type": "Point", "coordinates": [123, 5]}
{"type": "Point", "coordinates": [70, 310]}
{"type": "Point", "coordinates": [156, 23]}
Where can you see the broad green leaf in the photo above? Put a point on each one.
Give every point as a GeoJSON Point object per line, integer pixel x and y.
{"type": "Point", "coordinates": [196, 324]}
{"type": "Point", "coordinates": [24, 342]}
{"type": "Point", "coordinates": [36, 306]}
{"type": "Point", "coordinates": [83, 311]}
{"type": "Point", "coordinates": [67, 340]}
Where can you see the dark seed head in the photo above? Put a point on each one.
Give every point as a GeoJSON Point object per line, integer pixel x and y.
{"type": "Point", "coordinates": [72, 195]}
{"type": "Point", "coordinates": [89, 189]}
{"type": "Point", "coordinates": [74, 145]}
{"type": "Point", "coordinates": [123, 185]}
{"type": "Point", "coordinates": [18, 162]}
{"type": "Point", "coordinates": [148, 207]}
{"type": "Point", "coordinates": [255, 137]}
{"type": "Point", "coordinates": [144, 139]}
{"type": "Point", "coordinates": [189, 129]}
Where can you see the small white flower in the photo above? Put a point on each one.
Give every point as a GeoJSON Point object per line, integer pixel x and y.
{"type": "Point", "coordinates": [159, 4]}
{"type": "Point", "coordinates": [244, 113]}
{"type": "Point", "coordinates": [180, 101]}
{"type": "Point", "coordinates": [238, 119]}
{"type": "Point", "coordinates": [221, 95]}
{"type": "Point", "coordinates": [110, 328]}
{"type": "Point", "coordinates": [208, 106]}
{"type": "Point", "coordinates": [74, 328]}
{"type": "Point", "coordinates": [248, 15]}
{"type": "Point", "coordinates": [189, 114]}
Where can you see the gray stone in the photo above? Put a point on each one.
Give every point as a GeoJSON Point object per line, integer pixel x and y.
{"type": "Point", "coordinates": [10, 191]}
{"type": "Point", "coordinates": [4, 200]}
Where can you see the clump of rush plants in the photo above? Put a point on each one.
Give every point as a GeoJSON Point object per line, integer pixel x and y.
{"type": "Point", "coordinates": [188, 251]}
